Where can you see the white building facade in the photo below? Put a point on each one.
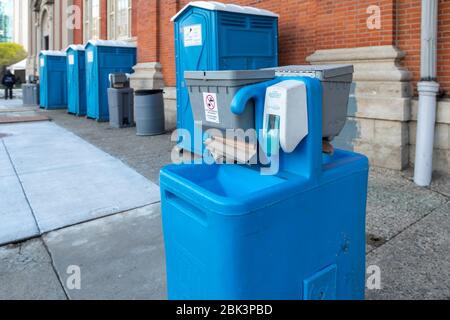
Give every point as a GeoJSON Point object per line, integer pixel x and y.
{"type": "Point", "coordinates": [20, 23]}
{"type": "Point", "coordinates": [47, 29]}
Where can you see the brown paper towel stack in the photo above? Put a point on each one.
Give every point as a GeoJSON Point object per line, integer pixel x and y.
{"type": "Point", "coordinates": [227, 150]}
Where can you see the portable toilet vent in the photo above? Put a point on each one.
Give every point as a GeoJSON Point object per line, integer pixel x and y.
{"type": "Point", "coordinates": [213, 36]}
{"type": "Point", "coordinates": [76, 80]}
{"type": "Point", "coordinates": [53, 79]}
{"type": "Point", "coordinates": [103, 58]}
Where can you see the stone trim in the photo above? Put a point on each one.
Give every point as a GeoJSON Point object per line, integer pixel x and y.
{"type": "Point", "coordinates": [443, 111]}
{"type": "Point", "coordinates": [170, 103]}
{"type": "Point", "coordinates": [441, 157]}
{"type": "Point", "coordinates": [382, 121]}
{"type": "Point", "coordinates": [386, 58]}
{"type": "Point", "coordinates": [380, 103]}
{"type": "Point", "coordinates": [147, 75]}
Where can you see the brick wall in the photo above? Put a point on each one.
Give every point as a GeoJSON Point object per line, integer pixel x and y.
{"type": "Point", "coordinates": [305, 26]}
{"type": "Point", "coordinates": [134, 15]}
{"type": "Point", "coordinates": [166, 36]}
{"type": "Point", "coordinates": [444, 45]}
{"type": "Point", "coordinates": [147, 30]}
{"type": "Point", "coordinates": [309, 25]}
{"type": "Point", "coordinates": [408, 38]}
{"type": "Point", "coordinates": [104, 19]}
{"type": "Point", "coordinates": [78, 33]}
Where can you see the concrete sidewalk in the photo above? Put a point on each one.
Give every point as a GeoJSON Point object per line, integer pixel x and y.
{"type": "Point", "coordinates": [58, 180]}
{"type": "Point", "coordinates": [12, 111]}
{"type": "Point", "coordinates": [144, 154]}
{"type": "Point", "coordinates": [122, 256]}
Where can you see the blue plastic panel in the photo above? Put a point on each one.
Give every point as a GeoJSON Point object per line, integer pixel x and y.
{"type": "Point", "coordinates": [53, 81]}
{"type": "Point", "coordinates": [321, 286]}
{"type": "Point", "coordinates": [265, 242]}
{"type": "Point", "coordinates": [76, 75]}
{"type": "Point", "coordinates": [229, 41]}
{"type": "Point", "coordinates": [100, 62]}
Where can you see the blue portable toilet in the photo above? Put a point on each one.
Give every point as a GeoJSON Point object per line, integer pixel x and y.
{"type": "Point", "coordinates": [215, 36]}
{"type": "Point", "coordinates": [53, 79]}
{"type": "Point", "coordinates": [103, 58]}
{"type": "Point", "coordinates": [76, 80]}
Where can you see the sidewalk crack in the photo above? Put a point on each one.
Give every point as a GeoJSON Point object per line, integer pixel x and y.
{"type": "Point", "coordinates": [21, 186]}
{"type": "Point", "coordinates": [408, 227]}
{"type": "Point", "coordinates": [55, 270]}
{"type": "Point", "coordinates": [36, 222]}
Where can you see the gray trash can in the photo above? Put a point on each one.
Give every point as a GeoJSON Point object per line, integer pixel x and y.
{"type": "Point", "coordinates": [30, 94]}
{"type": "Point", "coordinates": [336, 83]}
{"type": "Point", "coordinates": [149, 108]}
{"type": "Point", "coordinates": [121, 109]}
{"type": "Point", "coordinates": [211, 94]}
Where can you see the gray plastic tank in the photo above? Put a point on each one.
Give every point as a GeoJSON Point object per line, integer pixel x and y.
{"type": "Point", "coordinates": [121, 109]}
{"type": "Point", "coordinates": [149, 112]}
{"type": "Point", "coordinates": [336, 83]}
{"type": "Point", "coordinates": [30, 94]}
{"type": "Point", "coordinates": [211, 94]}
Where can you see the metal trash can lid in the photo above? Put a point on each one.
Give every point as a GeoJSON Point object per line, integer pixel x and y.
{"type": "Point", "coordinates": [148, 92]}
{"type": "Point", "coordinates": [230, 75]}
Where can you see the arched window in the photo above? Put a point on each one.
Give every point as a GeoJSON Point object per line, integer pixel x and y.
{"type": "Point", "coordinates": [92, 17]}
{"type": "Point", "coordinates": [119, 19]}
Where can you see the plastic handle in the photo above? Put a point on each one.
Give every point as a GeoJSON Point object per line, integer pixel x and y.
{"type": "Point", "coordinates": [306, 160]}
{"type": "Point", "coordinates": [187, 208]}
{"type": "Point", "coordinates": [257, 93]}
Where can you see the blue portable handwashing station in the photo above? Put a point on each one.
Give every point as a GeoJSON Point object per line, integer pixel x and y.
{"type": "Point", "coordinates": [104, 57]}
{"type": "Point", "coordinates": [76, 80]}
{"type": "Point", "coordinates": [216, 36]}
{"type": "Point", "coordinates": [249, 231]}
{"type": "Point", "coordinates": [53, 79]}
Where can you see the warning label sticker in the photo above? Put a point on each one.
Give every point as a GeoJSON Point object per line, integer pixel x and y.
{"type": "Point", "coordinates": [211, 107]}
{"type": "Point", "coordinates": [90, 56]}
{"type": "Point", "coordinates": [71, 59]}
{"type": "Point", "coordinates": [193, 36]}
{"type": "Point", "coordinates": [42, 62]}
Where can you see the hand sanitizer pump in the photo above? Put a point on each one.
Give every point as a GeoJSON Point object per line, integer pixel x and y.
{"type": "Point", "coordinates": [285, 117]}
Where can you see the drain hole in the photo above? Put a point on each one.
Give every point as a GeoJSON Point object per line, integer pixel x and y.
{"type": "Point", "coordinates": [375, 241]}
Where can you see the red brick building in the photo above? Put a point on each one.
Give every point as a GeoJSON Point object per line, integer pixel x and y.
{"type": "Point", "coordinates": [380, 37]}
{"type": "Point", "coordinates": [305, 26]}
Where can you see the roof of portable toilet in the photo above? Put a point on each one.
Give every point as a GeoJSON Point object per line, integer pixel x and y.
{"type": "Point", "coordinates": [53, 53]}
{"type": "Point", "coordinates": [218, 6]}
{"type": "Point", "coordinates": [75, 47]}
{"type": "Point", "coordinates": [111, 43]}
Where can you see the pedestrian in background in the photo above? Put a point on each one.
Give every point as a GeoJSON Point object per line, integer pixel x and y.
{"type": "Point", "coordinates": [9, 80]}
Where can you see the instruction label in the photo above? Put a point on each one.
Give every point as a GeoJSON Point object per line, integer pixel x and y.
{"type": "Point", "coordinates": [42, 62]}
{"type": "Point", "coordinates": [211, 107]}
{"type": "Point", "coordinates": [71, 59]}
{"type": "Point", "coordinates": [90, 56]}
{"type": "Point", "coordinates": [193, 36]}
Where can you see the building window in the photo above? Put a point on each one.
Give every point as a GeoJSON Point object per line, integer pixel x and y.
{"type": "Point", "coordinates": [119, 19]}
{"type": "Point", "coordinates": [92, 19]}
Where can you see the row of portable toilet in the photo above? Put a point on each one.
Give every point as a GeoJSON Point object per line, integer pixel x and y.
{"type": "Point", "coordinates": [78, 79]}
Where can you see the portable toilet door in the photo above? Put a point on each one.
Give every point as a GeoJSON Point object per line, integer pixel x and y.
{"type": "Point", "coordinates": [53, 79]}
{"type": "Point", "coordinates": [214, 36]}
{"type": "Point", "coordinates": [103, 58]}
{"type": "Point", "coordinates": [76, 80]}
